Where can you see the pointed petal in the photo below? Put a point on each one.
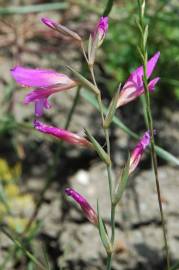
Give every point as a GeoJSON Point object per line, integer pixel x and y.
{"type": "Point", "coordinates": [38, 77]}
{"type": "Point", "coordinates": [39, 107]}
{"type": "Point", "coordinates": [152, 63]}
{"type": "Point", "coordinates": [152, 84]}
{"type": "Point", "coordinates": [138, 73]}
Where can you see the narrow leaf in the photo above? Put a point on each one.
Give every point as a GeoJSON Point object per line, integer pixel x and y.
{"type": "Point", "coordinates": [33, 8]}
{"type": "Point", "coordinates": [103, 233]}
{"type": "Point", "coordinates": [102, 154]}
{"type": "Point", "coordinates": [112, 109]}
{"type": "Point", "coordinates": [84, 81]}
{"type": "Point", "coordinates": [122, 183]}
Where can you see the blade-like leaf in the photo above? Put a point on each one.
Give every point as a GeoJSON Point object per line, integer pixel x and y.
{"type": "Point", "coordinates": [33, 8]}
{"type": "Point", "coordinates": [122, 183]}
{"type": "Point", "coordinates": [103, 233]}
{"type": "Point", "coordinates": [102, 154]}
{"type": "Point", "coordinates": [112, 109]}
{"type": "Point", "coordinates": [84, 81]}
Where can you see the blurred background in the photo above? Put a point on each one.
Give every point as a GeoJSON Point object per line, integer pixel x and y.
{"type": "Point", "coordinates": [35, 169]}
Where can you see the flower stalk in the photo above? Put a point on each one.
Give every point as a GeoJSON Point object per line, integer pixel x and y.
{"type": "Point", "coordinates": [143, 52]}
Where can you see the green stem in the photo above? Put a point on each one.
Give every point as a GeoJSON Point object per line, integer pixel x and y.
{"type": "Point", "coordinates": [109, 170]}
{"type": "Point", "coordinates": [109, 262]}
{"type": "Point", "coordinates": [151, 129]}
{"type": "Point", "coordinates": [71, 112]}
{"type": "Point", "coordinates": [113, 208]}
{"type": "Point", "coordinates": [108, 7]}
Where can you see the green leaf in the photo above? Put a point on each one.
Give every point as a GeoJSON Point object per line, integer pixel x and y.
{"type": "Point", "coordinates": [33, 8]}
{"type": "Point", "coordinates": [24, 250]}
{"type": "Point", "coordinates": [122, 183]}
{"type": "Point", "coordinates": [103, 233]}
{"type": "Point", "coordinates": [145, 35]}
{"type": "Point", "coordinates": [175, 267]}
{"type": "Point", "coordinates": [84, 81]}
{"type": "Point", "coordinates": [112, 109]}
{"type": "Point", "coordinates": [102, 154]}
{"type": "Point", "coordinates": [160, 151]}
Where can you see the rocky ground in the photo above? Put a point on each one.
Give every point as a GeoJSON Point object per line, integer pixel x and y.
{"type": "Point", "coordinates": [71, 242]}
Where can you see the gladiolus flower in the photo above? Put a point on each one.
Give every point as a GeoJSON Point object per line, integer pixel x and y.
{"type": "Point", "coordinates": [138, 151]}
{"type": "Point", "coordinates": [88, 211]}
{"type": "Point", "coordinates": [101, 29]}
{"type": "Point", "coordinates": [96, 38]}
{"type": "Point", "coordinates": [62, 134]}
{"type": "Point", "coordinates": [134, 86]}
{"type": "Point", "coordinates": [46, 83]}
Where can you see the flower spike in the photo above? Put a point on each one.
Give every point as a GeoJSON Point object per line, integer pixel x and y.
{"type": "Point", "coordinates": [138, 151]}
{"type": "Point", "coordinates": [46, 83]}
{"type": "Point", "coordinates": [134, 85]}
{"type": "Point", "coordinates": [88, 211]}
{"type": "Point", "coordinates": [62, 134]}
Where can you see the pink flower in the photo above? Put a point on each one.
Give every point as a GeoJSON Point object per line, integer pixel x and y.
{"type": "Point", "coordinates": [62, 134]}
{"type": "Point", "coordinates": [138, 151]}
{"type": "Point", "coordinates": [50, 23]}
{"type": "Point", "coordinates": [134, 85]}
{"type": "Point", "coordinates": [46, 83]}
{"type": "Point", "coordinates": [88, 211]}
{"type": "Point", "coordinates": [96, 39]}
{"type": "Point", "coordinates": [101, 29]}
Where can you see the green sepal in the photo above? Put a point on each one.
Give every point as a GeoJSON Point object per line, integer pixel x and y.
{"type": "Point", "coordinates": [103, 233]}
{"type": "Point", "coordinates": [101, 153]}
{"type": "Point", "coordinates": [122, 183]}
{"type": "Point", "coordinates": [84, 81]}
{"type": "Point", "coordinates": [145, 37]}
{"type": "Point", "coordinates": [112, 109]}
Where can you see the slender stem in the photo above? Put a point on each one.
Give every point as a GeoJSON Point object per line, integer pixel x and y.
{"type": "Point", "coordinates": [150, 127]}
{"type": "Point", "coordinates": [109, 262]}
{"type": "Point", "coordinates": [109, 170]}
{"type": "Point", "coordinates": [71, 112]}
{"type": "Point", "coordinates": [113, 208]}
{"type": "Point", "coordinates": [108, 7]}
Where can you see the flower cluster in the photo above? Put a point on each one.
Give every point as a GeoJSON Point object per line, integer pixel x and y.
{"type": "Point", "coordinates": [45, 83]}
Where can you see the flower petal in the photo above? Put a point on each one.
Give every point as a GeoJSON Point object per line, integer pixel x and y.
{"type": "Point", "coordinates": [38, 77]}
{"type": "Point", "coordinates": [152, 84]}
{"type": "Point", "coordinates": [138, 73]}
{"type": "Point", "coordinates": [39, 107]}
{"type": "Point", "coordinates": [138, 151]}
{"type": "Point", "coordinates": [88, 211]}
{"type": "Point", "coordinates": [62, 134]}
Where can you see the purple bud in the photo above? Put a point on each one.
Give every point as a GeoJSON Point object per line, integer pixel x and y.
{"type": "Point", "coordinates": [138, 151]}
{"type": "Point", "coordinates": [88, 211]}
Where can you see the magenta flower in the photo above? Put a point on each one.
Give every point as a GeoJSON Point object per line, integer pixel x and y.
{"type": "Point", "coordinates": [138, 151]}
{"type": "Point", "coordinates": [100, 30]}
{"type": "Point", "coordinates": [134, 85]}
{"type": "Point", "coordinates": [49, 22]}
{"type": "Point", "coordinates": [62, 134]}
{"type": "Point", "coordinates": [88, 211]}
{"type": "Point", "coordinates": [46, 83]}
